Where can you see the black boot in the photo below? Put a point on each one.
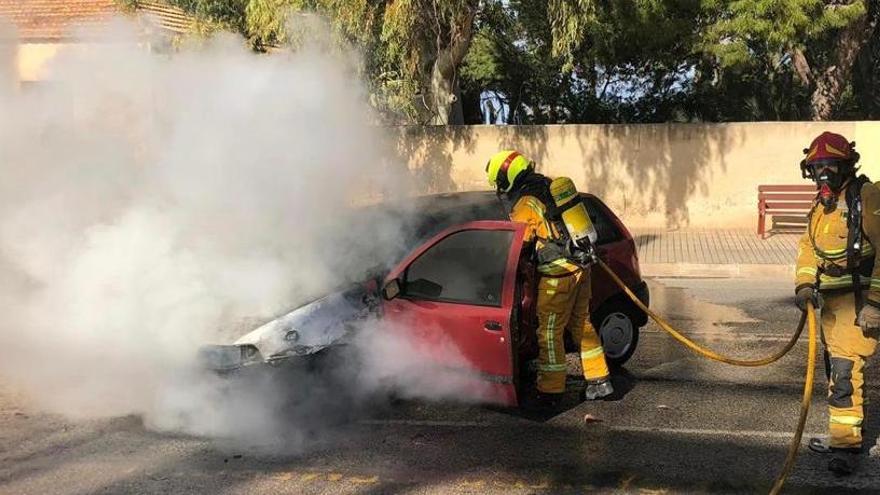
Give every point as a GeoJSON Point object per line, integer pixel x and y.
{"type": "Point", "coordinates": [844, 461]}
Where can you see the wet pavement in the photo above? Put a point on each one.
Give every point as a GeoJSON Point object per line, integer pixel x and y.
{"type": "Point", "coordinates": [678, 424]}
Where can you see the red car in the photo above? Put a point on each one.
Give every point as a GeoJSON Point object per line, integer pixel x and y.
{"type": "Point", "coordinates": [465, 278]}
{"type": "Point", "coordinates": [475, 283]}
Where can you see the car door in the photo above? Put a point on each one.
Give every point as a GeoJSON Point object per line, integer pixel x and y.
{"type": "Point", "coordinates": [453, 298]}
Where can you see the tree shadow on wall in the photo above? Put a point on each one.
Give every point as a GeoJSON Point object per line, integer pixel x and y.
{"type": "Point", "coordinates": [668, 164]}
{"type": "Point", "coordinates": [681, 167]}
{"type": "Point", "coordinates": [428, 150]}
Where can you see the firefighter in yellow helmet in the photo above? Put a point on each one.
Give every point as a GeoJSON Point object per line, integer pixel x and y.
{"type": "Point", "coordinates": [563, 301]}
{"type": "Point", "coordinates": [837, 269]}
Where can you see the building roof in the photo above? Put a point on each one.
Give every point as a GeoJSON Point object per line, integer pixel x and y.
{"type": "Point", "coordinates": [165, 16]}
{"type": "Point", "coordinates": [56, 20]}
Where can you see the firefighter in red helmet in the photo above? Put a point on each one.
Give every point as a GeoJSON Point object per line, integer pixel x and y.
{"type": "Point", "coordinates": [837, 269]}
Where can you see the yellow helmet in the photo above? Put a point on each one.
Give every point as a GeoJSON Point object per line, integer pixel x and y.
{"type": "Point", "coordinates": [505, 167]}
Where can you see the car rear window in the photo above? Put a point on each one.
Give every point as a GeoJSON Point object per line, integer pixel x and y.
{"type": "Point", "coordinates": [605, 227]}
{"type": "Point", "coordinates": [466, 267]}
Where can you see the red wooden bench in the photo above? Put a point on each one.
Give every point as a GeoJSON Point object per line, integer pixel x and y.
{"type": "Point", "coordinates": [787, 204]}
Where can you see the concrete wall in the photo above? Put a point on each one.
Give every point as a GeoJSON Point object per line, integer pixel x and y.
{"type": "Point", "coordinates": [664, 175]}
{"type": "Point", "coordinates": [33, 59]}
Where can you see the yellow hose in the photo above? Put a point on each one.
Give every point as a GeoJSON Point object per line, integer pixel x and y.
{"type": "Point", "coordinates": [697, 348]}
{"type": "Point", "coordinates": [805, 405]}
{"type": "Point", "coordinates": [808, 315]}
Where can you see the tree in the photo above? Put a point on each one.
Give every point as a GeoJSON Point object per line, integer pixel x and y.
{"type": "Point", "coordinates": [226, 14]}
{"type": "Point", "coordinates": [865, 101]}
{"type": "Point", "coordinates": [592, 61]}
{"type": "Point", "coordinates": [741, 51]}
{"type": "Point", "coordinates": [510, 57]}
{"type": "Point", "coordinates": [427, 41]}
{"type": "Point", "coordinates": [558, 61]}
{"type": "Point", "coordinates": [413, 48]}
{"type": "Point", "coordinates": [820, 40]}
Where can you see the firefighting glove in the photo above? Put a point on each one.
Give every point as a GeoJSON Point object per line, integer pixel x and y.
{"type": "Point", "coordinates": [583, 258]}
{"type": "Point", "coordinates": [583, 254]}
{"type": "Point", "coordinates": [869, 318]}
{"type": "Point", "coordinates": [807, 293]}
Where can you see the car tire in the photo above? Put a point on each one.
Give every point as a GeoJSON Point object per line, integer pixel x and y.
{"type": "Point", "coordinates": [615, 322]}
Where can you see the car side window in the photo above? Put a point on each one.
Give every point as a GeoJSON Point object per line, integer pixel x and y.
{"type": "Point", "coordinates": [606, 229]}
{"type": "Point", "coordinates": [466, 267]}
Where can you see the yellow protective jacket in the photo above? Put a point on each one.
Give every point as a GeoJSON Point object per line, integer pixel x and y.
{"type": "Point", "coordinates": [532, 212]}
{"type": "Point", "coordinates": [822, 249]}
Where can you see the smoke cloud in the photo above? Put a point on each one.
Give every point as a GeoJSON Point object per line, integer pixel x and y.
{"type": "Point", "coordinates": [153, 203]}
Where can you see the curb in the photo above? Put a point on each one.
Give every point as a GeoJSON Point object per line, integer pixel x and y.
{"type": "Point", "coordinates": [706, 270]}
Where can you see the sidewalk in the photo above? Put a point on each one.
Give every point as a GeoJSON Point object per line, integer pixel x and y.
{"type": "Point", "coordinates": [715, 253]}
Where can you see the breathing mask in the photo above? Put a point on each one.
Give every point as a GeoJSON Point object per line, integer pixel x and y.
{"type": "Point", "coordinates": [830, 177]}
{"type": "Point", "coordinates": [831, 162]}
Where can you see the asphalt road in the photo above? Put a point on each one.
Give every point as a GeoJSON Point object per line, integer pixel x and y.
{"type": "Point", "coordinates": [680, 424]}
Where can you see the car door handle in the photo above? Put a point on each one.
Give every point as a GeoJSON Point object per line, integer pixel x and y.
{"type": "Point", "coordinates": [492, 325]}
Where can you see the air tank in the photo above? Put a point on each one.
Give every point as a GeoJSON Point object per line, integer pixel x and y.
{"type": "Point", "coordinates": [574, 213]}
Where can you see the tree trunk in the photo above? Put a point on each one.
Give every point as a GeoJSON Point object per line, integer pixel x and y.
{"type": "Point", "coordinates": [866, 78]}
{"type": "Point", "coordinates": [830, 82]}
{"type": "Point", "coordinates": [444, 75]}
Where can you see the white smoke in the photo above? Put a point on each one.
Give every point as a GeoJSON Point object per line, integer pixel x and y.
{"type": "Point", "coordinates": [150, 202]}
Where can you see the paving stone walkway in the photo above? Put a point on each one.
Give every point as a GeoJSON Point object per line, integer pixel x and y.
{"type": "Point", "coordinates": [715, 247]}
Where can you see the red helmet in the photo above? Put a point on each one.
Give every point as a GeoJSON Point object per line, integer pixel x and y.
{"type": "Point", "coordinates": [828, 148]}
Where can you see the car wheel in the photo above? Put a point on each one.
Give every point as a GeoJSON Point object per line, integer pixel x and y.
{"type": "Point", "coordinates": [618, 332]}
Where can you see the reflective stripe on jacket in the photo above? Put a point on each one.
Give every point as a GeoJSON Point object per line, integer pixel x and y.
{"type": "Point", "coordinates": [823, 247]}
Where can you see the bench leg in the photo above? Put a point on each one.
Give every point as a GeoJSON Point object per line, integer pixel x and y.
{"type": "Point", "coordinates": [761, 219]}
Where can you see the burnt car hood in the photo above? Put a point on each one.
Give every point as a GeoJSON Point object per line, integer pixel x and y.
{"type": "Point", "coordinates": [306, 330]}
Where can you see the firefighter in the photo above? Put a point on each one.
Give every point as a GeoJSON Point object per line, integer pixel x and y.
{"type": "Point", "coordinates": [563, 301]}
{"type": "Point", "coordinates": [837, 269]}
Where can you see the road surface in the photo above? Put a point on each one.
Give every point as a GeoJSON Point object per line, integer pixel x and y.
{"type": "Point", "coordinates": [679, 424]}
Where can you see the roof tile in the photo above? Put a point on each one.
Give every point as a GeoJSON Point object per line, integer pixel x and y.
{"type": "Point", "coordinates": [54, 20]}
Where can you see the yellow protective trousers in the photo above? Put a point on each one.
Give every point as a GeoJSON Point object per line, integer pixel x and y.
{"type": "Point", "coordinates": [848, 348]}
{"type": "Point", "coordinates": [564, 305]}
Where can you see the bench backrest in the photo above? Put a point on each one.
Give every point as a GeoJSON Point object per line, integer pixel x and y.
{"type": "Point", "coordinates": [786, 203]}
{"type": "Point", "coordinates": [782, 197]}
{"type": "Point", "coordinates": [806, 188]}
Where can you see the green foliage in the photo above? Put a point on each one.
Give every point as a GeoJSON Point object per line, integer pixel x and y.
{"type": "Point", "coordinates": [619, 61]}
{"type": "Point", "coordinates": [774, 25]}
{"type": "Point", "coordinates": [127, 5]}
{"type": "Point", "coordinates": [571, 24]}
{"type": "Point", "coordinates": [413, 34]}
{"type": "Point", "coordinates": [739, 52]}
{"type": "Point", "coordinates": [216, 14]}
{"type": "Point", "coordinates": [266, 20]}
{"type": "Point", "coordinates": [579, 60]}
{"type": "Point", "coordinates": [399, 39]}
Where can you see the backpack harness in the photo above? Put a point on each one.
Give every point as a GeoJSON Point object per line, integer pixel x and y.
{"type": "Point", "coordinates": [854, 241]}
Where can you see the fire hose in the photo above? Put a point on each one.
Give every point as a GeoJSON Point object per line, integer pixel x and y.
{"type": "Point", "coordinates": [808, 316]}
